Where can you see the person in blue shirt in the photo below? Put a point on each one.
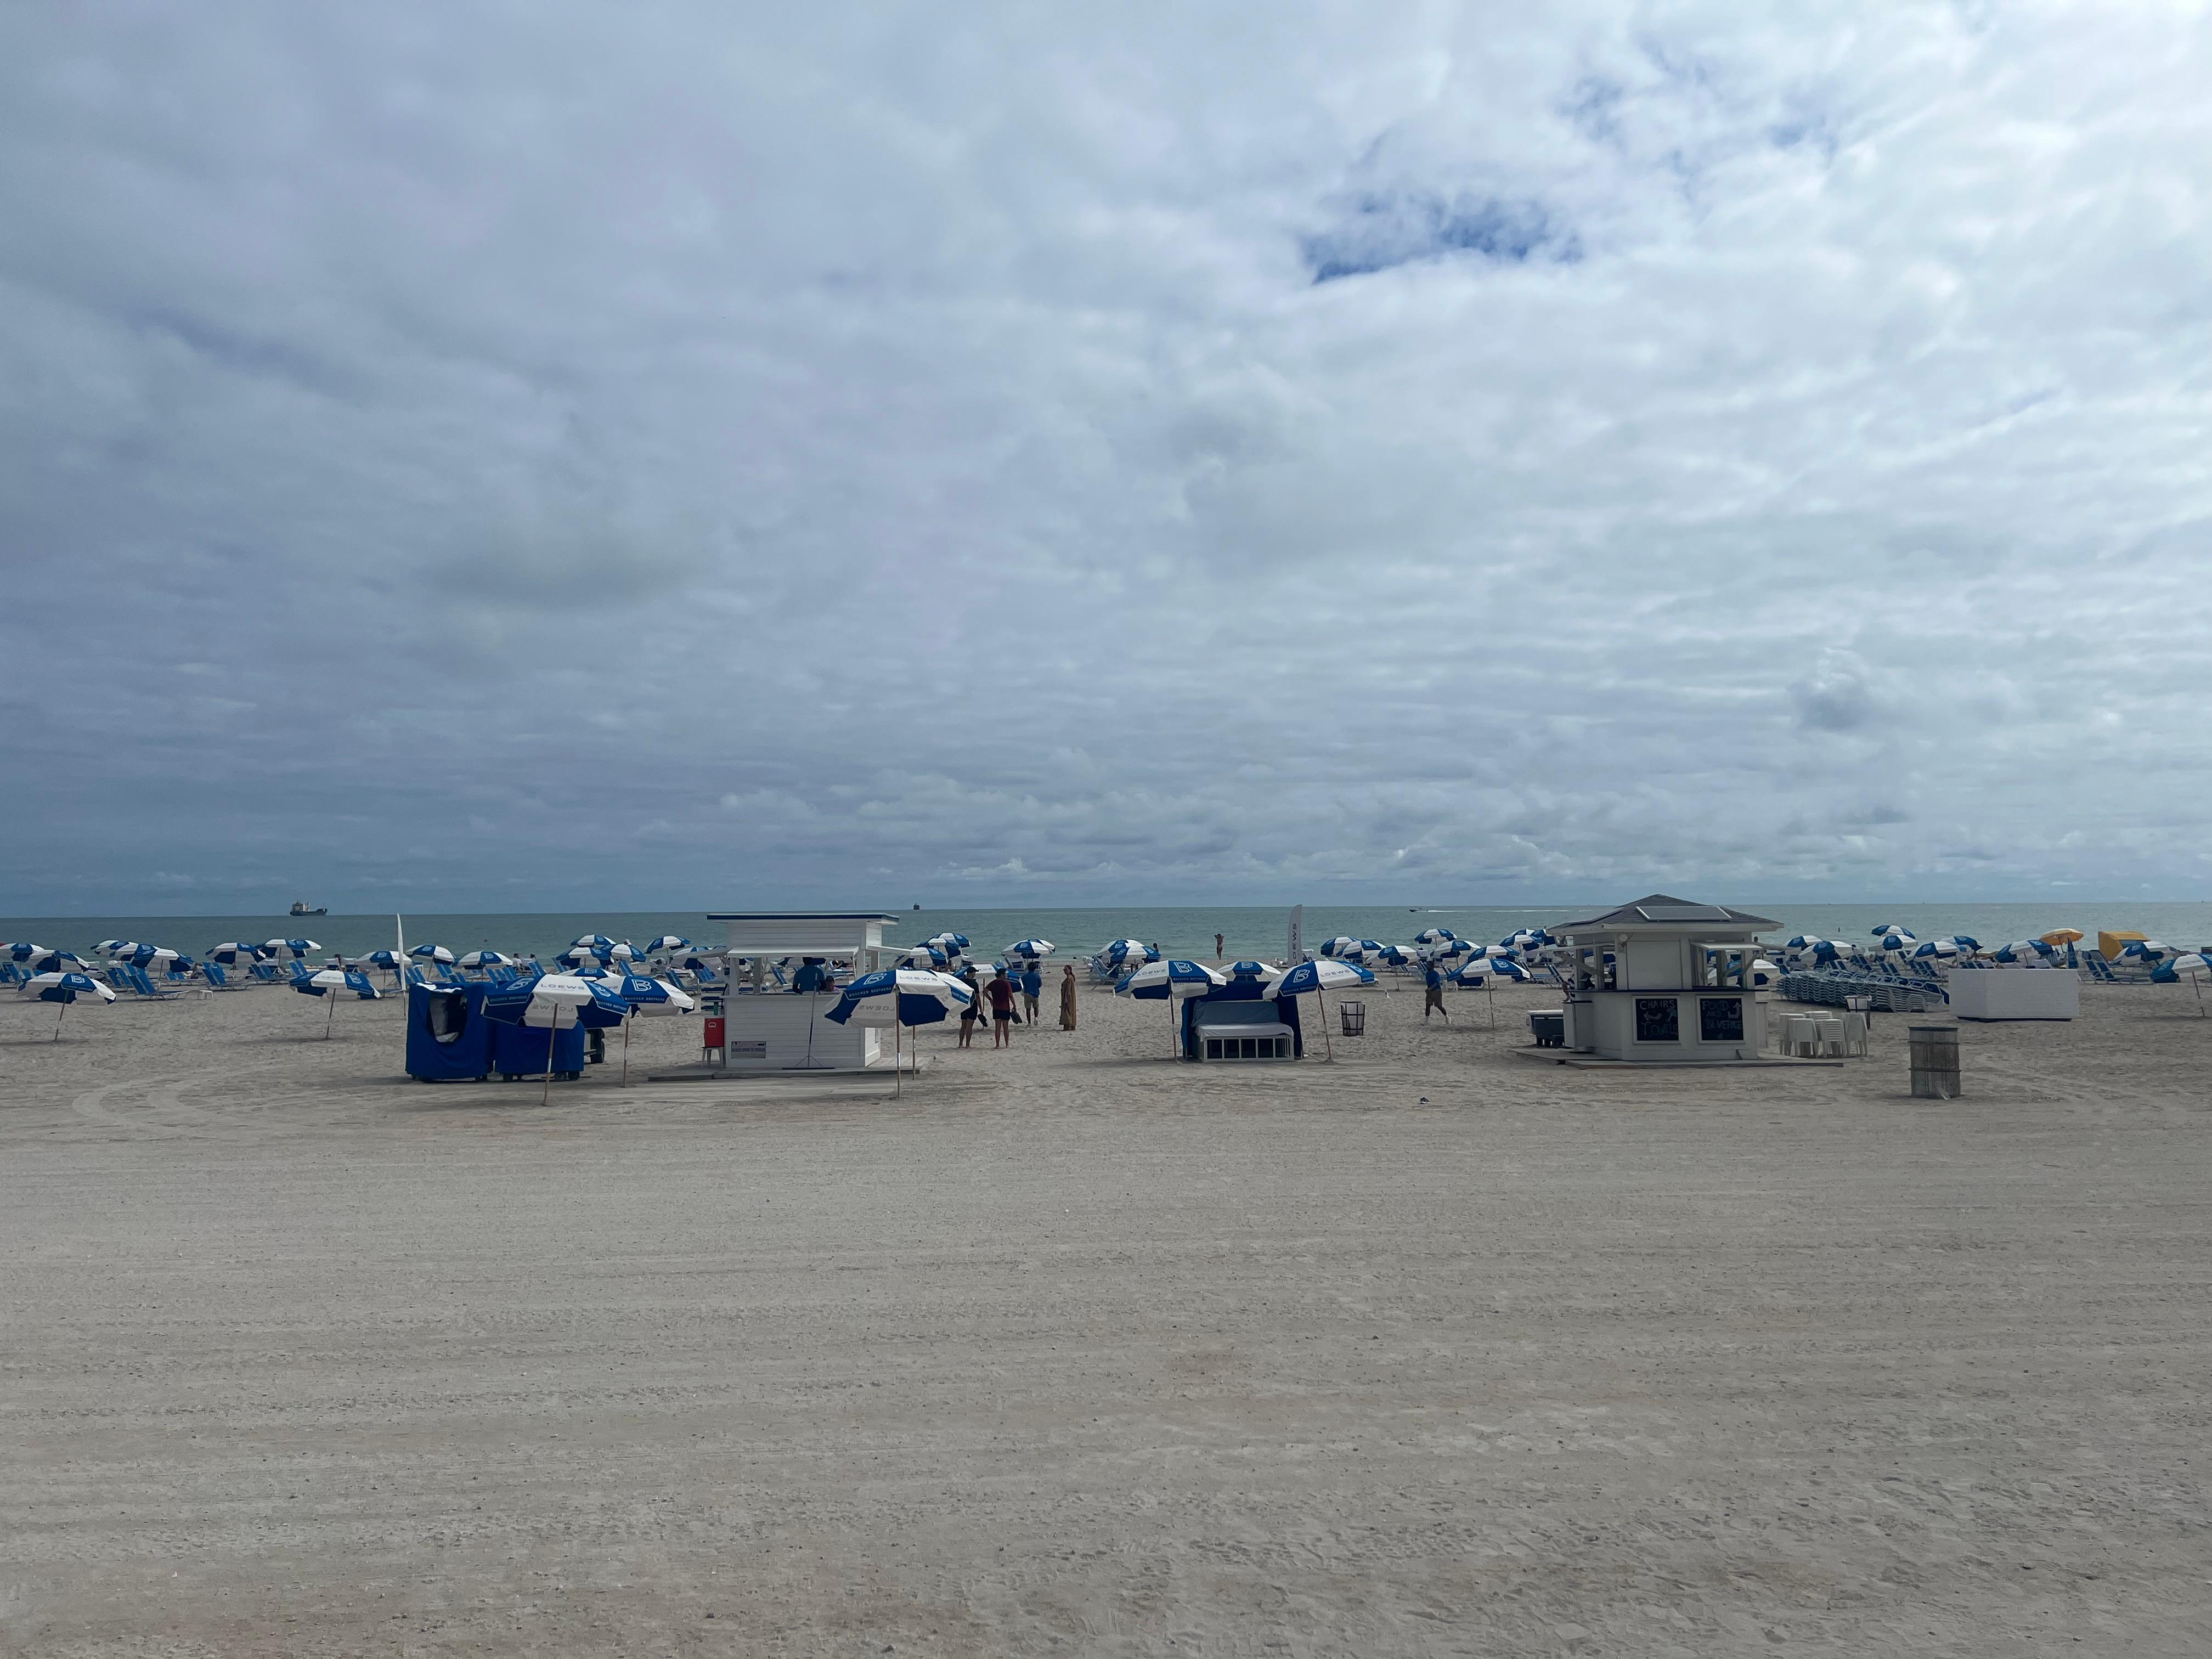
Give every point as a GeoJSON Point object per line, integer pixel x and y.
{"type": "Point", "coordinates": [1032, 988]}
{"type": "Point", "coordinates": [1436, 1002]}
{"type": "Point", "coordinates": [811, 977]}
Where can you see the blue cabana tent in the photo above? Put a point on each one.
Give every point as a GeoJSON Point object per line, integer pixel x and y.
{"type": "Point", "coordinates": [1242, 987]}
{"type": "Point", "coordinates": [448, 1038]}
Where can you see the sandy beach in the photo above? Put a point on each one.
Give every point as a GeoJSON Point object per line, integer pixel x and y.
{"type": "Point", "coordinates": [1429, 1351]}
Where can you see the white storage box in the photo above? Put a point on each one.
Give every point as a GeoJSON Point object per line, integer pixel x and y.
{"type": "Point", "coordinates": [2014, 993]}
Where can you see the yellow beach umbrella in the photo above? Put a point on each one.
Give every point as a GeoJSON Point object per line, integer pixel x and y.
{"type": "Point", "coordinates": [2064, 936]}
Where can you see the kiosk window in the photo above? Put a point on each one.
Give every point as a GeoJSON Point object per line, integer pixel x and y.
{"type": "Point", "coordinates": [1658, 1020]}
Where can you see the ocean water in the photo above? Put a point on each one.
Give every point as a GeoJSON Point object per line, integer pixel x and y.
{"type": "Point", "coordinates": [1188, 931]}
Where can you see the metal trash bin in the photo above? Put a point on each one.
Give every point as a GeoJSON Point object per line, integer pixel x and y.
{"type": "Point", "coordinates": [1549, 1027]}
{"type": "Point", "coordinates": [1354, 1016]}
{"type": "Point", "coordinates": [1934, 1061]}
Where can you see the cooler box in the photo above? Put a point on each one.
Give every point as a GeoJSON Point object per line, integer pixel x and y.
{"type": "Point", "coordinates": [520, 1050]}
{"type": "Point", "coordinates": [448, 1038]}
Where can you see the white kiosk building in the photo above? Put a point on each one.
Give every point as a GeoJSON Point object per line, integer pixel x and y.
{"type": "Point", "coordinates": [770, 1029]}
{"type": "Point", "coordinates": [1662, 980]}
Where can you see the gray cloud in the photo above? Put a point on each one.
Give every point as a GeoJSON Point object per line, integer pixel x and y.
{"type": "Point", "coordinates": [669, 457]}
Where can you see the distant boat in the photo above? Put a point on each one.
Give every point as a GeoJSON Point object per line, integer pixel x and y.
{"type": "Point", "coordinates": [300, 909]}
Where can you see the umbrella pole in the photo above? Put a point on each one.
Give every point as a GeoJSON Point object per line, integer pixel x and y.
{"type": "Point", "coordinates": [625, 1080]}
{"type": "Point", "coordinates": [64, 1015]}
{"type": "Point", "coordinates": [1321, 1003]}
{"type": "Point", "coordinates": [552, 1034]}
{"type": "Point", "coordinates": [333, 998]}
{"type": "Point", "coordinates": [1491, 991]}
{"type": "Point", "coordinates": [898, 1051]}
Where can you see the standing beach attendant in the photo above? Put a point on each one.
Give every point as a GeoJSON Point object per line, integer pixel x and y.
{"type": "Point", "coordinates": [1435, 1004]}
{"type": "Point", "coordinates": [1032, 988]}
{"type": "Point", "coordinates": [1002, 1011]}
{"type": "Point", "coordinates": [1067, 999]}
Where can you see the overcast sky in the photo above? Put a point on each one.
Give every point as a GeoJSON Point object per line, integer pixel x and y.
{"type": "Point", "coordinates": [543, 457]}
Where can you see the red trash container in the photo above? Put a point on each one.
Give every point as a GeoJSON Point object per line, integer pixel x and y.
{"type": "Point", "coordinates": [711, 1037]}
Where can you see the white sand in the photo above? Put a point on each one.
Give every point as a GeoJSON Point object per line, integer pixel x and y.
{"type": "Point", "coordinates": [1077, 1349]}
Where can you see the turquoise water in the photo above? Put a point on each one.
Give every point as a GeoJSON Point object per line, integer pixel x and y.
{"type": "Point", "coordinates": [1180, 932]}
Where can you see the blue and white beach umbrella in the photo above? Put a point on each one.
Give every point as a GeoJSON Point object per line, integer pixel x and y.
{"type": "Point", "coordinates": [925, 956]}
{"type": "Point", "coordinates": [1484, 968]}
{"type": "Point", "coordinates": [1123, 952]}
{"type": "Point", "coordinates": [1171, 982]}
{"type": "Point", "coordinates": [56, 961]}
{"type": "Point", "coordinates": [898, 998]}
{"type": "Point", "coordinates": [23, 953]}
{"type": "Point", "coordinates": [1397, 955]}
{"type": "Point", "coordinates": [1336, 945]}
{"type": "Point", "coordinates": [437, 953]}
{"type": "Point", "coordinates": [298, 947]}
{"type": "Point", "coordinates": [64, 988]}
{"type": "Point", "coordinates": [2191, 965]}
{"type": "Point", "coordinates": [486, 959]}
{"type": "Point", "coordinates": [2146, 949]}
{"type": "Point", "coordinates": [591, 942]}
{"type": "Point", "coordinates": [2033, 952]}
{"type": "Point", "coordinates": [1262, 971]}
{"type": "Point", "coordinates": [1319, 975]}
{"type": "Point", "coordinates": [555, 1002]}
{"type": "Point", "coordinates": [327, 983]}
{"type": "Point", "coordinates": [1898, 939]}
{"type": "Point", "coordinates": [1030, 949]}
{"type": "Point", "coordinates": [1435, 936]}
{"type": "Point", "coordinates": [667, 943]}
{"type": "Point", "coordinates": [1935, 948]}
{"type": "Point", "coordinates": [232, 952]}
{"type": "Point", "coordinates": [109, 946]}
{"type": "Point", "coordinates": [387, 959]}
{"type": "Point", "coordinates": [649, 995]}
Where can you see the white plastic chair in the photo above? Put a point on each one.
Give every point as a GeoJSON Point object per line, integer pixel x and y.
{"type": "Point", "coordinates": [1855, 1036]}
{"type": "Point", "coordinates": [1828, 1037]}
{"type": "Point", "coordinates": [1796, 1034]}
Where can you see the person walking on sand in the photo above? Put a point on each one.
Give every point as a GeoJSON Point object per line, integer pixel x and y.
{"type": "Point", "coordinates": [1002, 1011]}
{"type": "Point", "coordinates": [1032, 988]}
{"type": "Point", "coordinates": [1435, 1004]}
{"type": "Point", "coordinates": [1067, 999]}
{"type": "Point", "coordinates": [968, 1010]}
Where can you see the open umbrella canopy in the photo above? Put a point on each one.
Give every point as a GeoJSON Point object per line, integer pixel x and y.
{"type": "Point", "coordinates": [667, 942]}
{"type": "Point", "coordinates": [2189, 962]}
{"type": "Point", "coordinates": [591, 942]}
{"type": "Point", "coordinates": [232, 951]}
{"type": "Point", "coordinates": [1336, 945]}
{"type": "Point", "coordinates": [950, 941]}
{"type": "Point", "coordinates": [2032, 952]}
{"type": "Point", "coordinates": [1485, 968]}
{"type": "Point", "coordinates": [1319, 975]}
{"type": "Point", "coordinates": [107, 947]}
{"type": "Point", "coordinates": [64, 988]}
{"type": "Point", "coordinates": [385, 959]}
{"type": "Point", "coordinates": [298, 947]}
{"type": "Point", "coordinates": [1435, 936]}
{"type": "Point", "coordinates": [431, 953]}
{"type": "Point", "coordinates": [923, 956]}
{"type": "Point", "coordinates": [329, 981]}
{"type": "Point", "coordinates": [1396, 954]}
{"type": "Point", "coordinates": [1030, 949]}
{"type": "Point", "coordinates": [1250, 970]}
{"type": "Point", "coordinates": [2064, 936]}
{"type": "Point", "coordinates": [24, 951]}
{"type": "Point", "coordinates": [1161, 981]}
{"type": "Point", "coordinates": [2147, 950]}
{"type": "Point", "coordinates": [1129, 949]}
{"type": "Point", "coordinates": [1937, 948]}
{"type": "Point", "coordinates": [555, 1000]}
{"type": "Point", "coordinates": [486, 959]}
{"type": "Point", "coordinates": [901, 996]}
{"type": "Point", "coordinates": [56, 961]}
{"type": "Point", "coordinates": [1899, 940]}
{"type": "Point", "coordinates": [148, 956]}
{"type": "Point", "coordinates": [654, 996]}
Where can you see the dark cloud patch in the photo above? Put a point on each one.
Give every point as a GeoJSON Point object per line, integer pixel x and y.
{"type": "Point", "coordinates": [1378, 232]}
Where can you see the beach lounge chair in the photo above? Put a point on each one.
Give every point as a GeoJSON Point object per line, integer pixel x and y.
{"type": "Point", "coordinates": [10, 974]}
{"type": "Point", "coordinates": [266, 973]}
{"type": "Point", "coordinates": [217, 979]}
{"type": "Point", "coordinates": [137, 982]}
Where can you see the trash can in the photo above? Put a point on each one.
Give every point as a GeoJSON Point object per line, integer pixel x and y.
{"type": "Point", "coordinates": [1934, 1061]}
{"type": "Point", "coordinates": [712, 1038]}
{"type": "Point", "coordinates": [1354, 1016]}
{"type": "Point", "coordinates": [1549, 1027]}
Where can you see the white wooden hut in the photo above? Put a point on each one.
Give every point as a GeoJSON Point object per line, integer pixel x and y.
{"type": "Point", "coordinates": [1662, 980]}
{"type": "Point", "coordinates": [772, 1029]}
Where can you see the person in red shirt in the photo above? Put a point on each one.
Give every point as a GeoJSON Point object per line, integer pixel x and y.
{"type": "Point", "coordinates": [1002, 992]}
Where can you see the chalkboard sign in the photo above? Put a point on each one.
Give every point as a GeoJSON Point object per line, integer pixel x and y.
{"type": "Point", "coordinates": [1720, 1019]}
{"type": "Point", "coordinates": [1658, 1020]}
